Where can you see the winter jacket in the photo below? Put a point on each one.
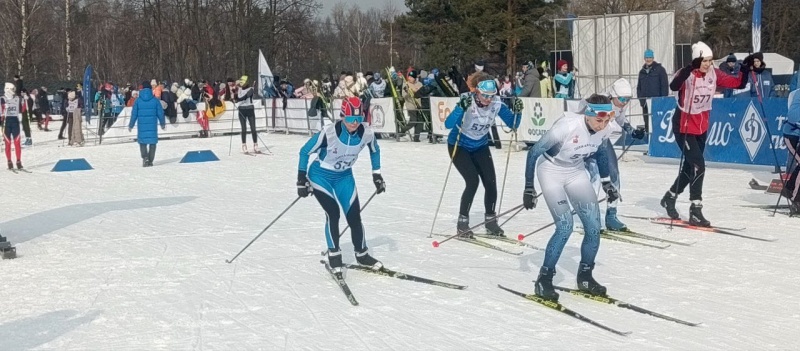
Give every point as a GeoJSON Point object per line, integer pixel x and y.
{"type": "Point", "coordinates": [761, 83]}
{"type": "Point", "coordinates": [531, 87]}
{"type": "Point", "coordinates": [413, 87]}
{"type": "Point", "coordinates": [653, 81]}
{"type": "Point", "coordinates": [148, 112]}
{"type": "Point", "coordinates": [730, 71]}
{"type": "Point", "coordinates": [697, 123]}
{"type": "Point", "coordinates": [792, 124]}
{"type": "Point", "coordinates": [170, 99]}
{"type": "Point", "coordinates": [546, 85]}
{"type": "Point", "coordinates": [378, 88]}
{"type": "Point", "coordinates": [565, 83]}
{"type": "Point", "coordinates": [43, 102]}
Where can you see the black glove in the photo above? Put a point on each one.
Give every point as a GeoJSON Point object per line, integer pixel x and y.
{"type": "Point", "coordinates": [465, 102]}
{"type": "Point", "coordinates": [638, 133]}
{"type": "Point", "coordinates": [748, 61]}
{"type": "Point", "coordinates": [612, 194]}
{"type": "Point", "coordinates": [303, 185]}
{"type": "Point", "coordinates": [517, 106]}
{"type": "Point", "coordinates": [380, 185]}
{"type": "Point", "coordinates": [529, 198]}
{"type": "Point", "coordinates": [696, 62]}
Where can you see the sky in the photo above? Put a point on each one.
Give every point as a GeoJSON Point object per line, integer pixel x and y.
{"type": "Point", "coordinates": [327, 5]}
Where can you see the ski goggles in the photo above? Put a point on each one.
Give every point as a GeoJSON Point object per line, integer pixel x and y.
{"type": "Point", "coordinates": [623, 99]}
{"type": "Point", "coordinates": [487, 89]}
{"type": "Point", "coordinates": [353, 119]}
{"type": "Point", "coordinates": [599, 110]}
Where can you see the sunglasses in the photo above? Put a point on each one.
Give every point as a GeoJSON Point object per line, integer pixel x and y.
{"type": "Point", "coordinates": [354, 119]}
{"type": "Point", "coordinates": [486, 96]}
{"type": "Point", "coordinates": [603, 114]}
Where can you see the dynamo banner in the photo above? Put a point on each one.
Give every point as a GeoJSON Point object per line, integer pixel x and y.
{"type": "Point", "coordinates": [740, 131]}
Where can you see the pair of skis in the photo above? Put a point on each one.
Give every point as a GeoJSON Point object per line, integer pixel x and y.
{"type": "Point", "coordinates": [685, 224]}
{"type": "Point", "coordinates": [383, 272]}
{"type": "Point", "coordinates": [603, 299]}
{"type": "Point", "coordinates": [17, 170]}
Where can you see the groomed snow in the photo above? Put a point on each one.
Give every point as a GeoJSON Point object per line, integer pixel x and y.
{"type": "Point", "coordinates": [130, 258]}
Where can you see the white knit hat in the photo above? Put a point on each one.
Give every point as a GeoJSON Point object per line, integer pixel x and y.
{"type": "Point", "coordinates": [700, 49]}
{"type": "Point", "coordinates": [620, 88]}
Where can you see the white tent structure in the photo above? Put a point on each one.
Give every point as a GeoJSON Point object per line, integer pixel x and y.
{"type": "Point", "coordinates": [611, 46]}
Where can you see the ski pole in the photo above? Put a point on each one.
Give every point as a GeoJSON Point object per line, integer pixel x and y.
{"type": "Point", "coordinates": [263, 231]}
{"type": "Point", "coordinates": [444, 186]}
{"type": "Point", "coordinates": [505, 173]}
{"type": "Point", "coordinates": [512, 216]}
{"type": "Point", "coordinates": [522, 237]}
{"type": "Point", "coordinates": [323, 253]}
{"type": "Point", "coordinates": [437, 243]}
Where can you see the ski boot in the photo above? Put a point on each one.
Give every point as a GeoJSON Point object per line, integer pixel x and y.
{"type": "Point", "coordinates": [19, 164]}
{"type": "Point", "coordinates": [612, 222]}
{"type": "Point", "coordinates": [244, 149]}
{"type": "Point", "coordinates": [10, 165]}
{"type": "Point", "coordinates": [335, 261]}
{"type": "Point", "coordinates": [363, 258]}
{"type": "Point", "coordinates": [794, 208]}
{"type": "Point", "coordinates": [696, 215]}
{"type": "Point", "coordinates": [492, 228]}
{"type": "Point", "coordinates": [255, 149]}
{"type": "Point", "coordinates": [463, 228]}
{"type": "Point", "coordinates": [6, 250]}
{"type": "Point", "coordinates": [668, 202]}
{"type": "Point", "coordinates": [544, 285]}
{"type": "Point", "coordinates": [28, 142]}
{"type": "Point", "coordinates": [586, 282]}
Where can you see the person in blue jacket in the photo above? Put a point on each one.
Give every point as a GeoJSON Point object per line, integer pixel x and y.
{"type": "Point", "coordinates": [330, 178]}
{"type": "Point", "coordinates": [761, 83]}
{"type": "Point", "coordinates": [148, 113]}
{"type": "Point", "coordinates": [791, 137]}
{"type": "Point", "coordinates": [468, 146]}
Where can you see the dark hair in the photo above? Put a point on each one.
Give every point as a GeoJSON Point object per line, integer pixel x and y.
{"type": "Point", "coordinates": [598, 99]}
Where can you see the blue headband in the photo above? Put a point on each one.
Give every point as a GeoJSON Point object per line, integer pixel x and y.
{"type": "Point", "coordinates": [487, 87]}
{"type": "Point", "coordinates": [592, 109]}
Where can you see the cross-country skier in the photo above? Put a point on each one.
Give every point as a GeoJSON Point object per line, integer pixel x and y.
{"type": "Point", "coordinates": [564, 181]}
{"type": "Point", "coordinates": [620, 94]}
{"type": "Point", "coordinates": [696, 85]}
{"type": "Point", "coordinates": [330, 178]}
{"type": "Point", "coordinates": [468, 146]}
{"type": "Point", "coordinates": [11, 105]}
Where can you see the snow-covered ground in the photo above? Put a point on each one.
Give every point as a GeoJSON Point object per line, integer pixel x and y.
{"type": "Point", "coordinates": [130, 258]}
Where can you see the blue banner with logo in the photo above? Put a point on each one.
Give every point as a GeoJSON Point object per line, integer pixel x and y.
{"type": "Point", "coordinates": [739, 130]}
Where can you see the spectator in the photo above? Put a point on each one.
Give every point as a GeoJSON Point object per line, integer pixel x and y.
{"type": "Point", "coordinates": [148, 113]}
{"type": "Point", "coordinates": [72, 115]}
{"type": "Point", "coordinates": [652, 82]}
{"type": "Point", "coordinates": [506, 89]}
{"type": "Point", "coordinates": [42, 108]}
{"type": "Point", "coordinates": [27, 112]}
{"type": "Point", "coordinates": [63, 94]}
{"type": "Point", "coordinates": [156, 88]}
{"type": "Point", "coordinates": [565, 80]}
{"type": "Point", "coordinates": [378, 86]}
{"type": "Point", "coordinates": [761, 83]}
{"type": "Point", "coordinates": [545, 82]}
{"type": "Point", "coordinates": [170, 97]}
{"type": "Point", "coordinates": [186, 101]}
{"type": "Point", "coordinates": [415, 120]}
{"type": "Point", "coordinates": [730, 67]}
{"type": "Point", "coordinates": [531, 87]}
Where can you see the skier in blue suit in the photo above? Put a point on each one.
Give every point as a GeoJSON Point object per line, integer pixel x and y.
{"type": "Point", "coordinates": [330, 178]}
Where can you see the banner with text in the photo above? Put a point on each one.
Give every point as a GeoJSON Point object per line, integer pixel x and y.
{"type": "Point", "coordinates": [740, 130]}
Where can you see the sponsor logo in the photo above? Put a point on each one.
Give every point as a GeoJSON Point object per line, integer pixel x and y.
{"type": "Point", "coordinates": [538, 115]}
{"type": "Point", "coordinates": [575, 139]}
{"type": "Point", "coordinates": [377, 116]}
{"type": "Point", "coordinates": [752, 130]}
{"type": "Point", "coordinates": [443, 111]}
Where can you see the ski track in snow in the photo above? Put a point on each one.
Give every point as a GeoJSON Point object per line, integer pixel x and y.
{"type": "Point", "coordinates": [132, 258]}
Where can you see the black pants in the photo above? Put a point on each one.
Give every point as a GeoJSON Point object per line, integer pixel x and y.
{"type": "Point", "coordinates": [792, 143]}
{"type": "Point", "coordinates": [148, 152]}
{"type": "Point", "coordinates": [353, 217]}
{"type": "Point", "coordinates": [414, 121]}
{"type": "Point", "coordinates": [693, 169]}
{"type": "Point", "coordinates": [248, 115]}
{"type": "Point", "coordinates": [472, 166]}
{"type": "Point", "coordinates": [64, 123]}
